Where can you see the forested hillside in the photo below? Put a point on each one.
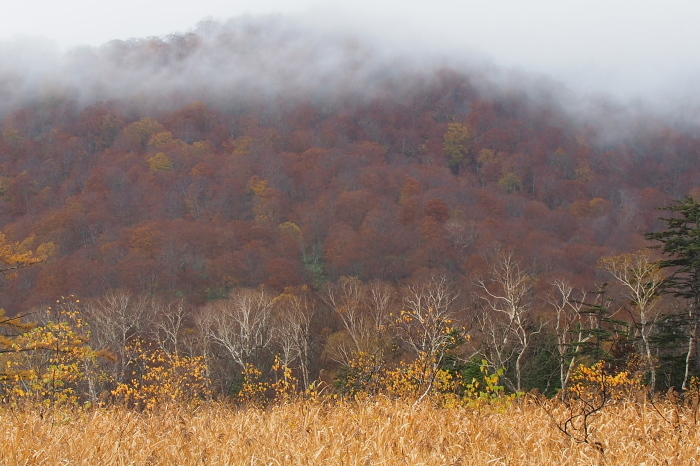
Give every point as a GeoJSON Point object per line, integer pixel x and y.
{"type": "Point", "coordinates": [368, 179]}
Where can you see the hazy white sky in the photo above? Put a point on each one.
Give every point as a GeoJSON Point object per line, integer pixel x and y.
{"type": "Point", "coordinates": [622, 46]}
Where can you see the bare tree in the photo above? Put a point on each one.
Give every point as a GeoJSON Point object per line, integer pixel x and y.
{"type": "Point", "coordinates": [241, 324]}
{"type": "Point", "coordinates": [380, 300]}
{"type": "Point", "coordinates": [641, 280]}
{"type": "Point", "coordinates": [426, 324]}
{"type": "Point", "coordinates": [364, 312]}
{"type": "Point", "coordinates": [115, 320]}
{"type": "Point", "coordinates": [294, 316]}
{"type": "Point", "coordinates": [507, 294]}
{"type": "Point", "coordinates": [201, 343]}
{"type": "Point", "coordinates": [170, 325]}
{"type": "Point", "coordinates": [346, 298]}
{"type": "Point", "coordinates": [568, 326]}
{"type": "Point", "coordinates": [429, 311]}
{"type": "Point", "coordinates": [461, 233]}
{"type": "Point", "coordinates": [496, 346]}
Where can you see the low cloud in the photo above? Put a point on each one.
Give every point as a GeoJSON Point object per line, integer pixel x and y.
{"type": "Point", "coordinates": [300, 56]}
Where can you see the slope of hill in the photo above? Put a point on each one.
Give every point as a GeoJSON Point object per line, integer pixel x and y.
{"type": "Point", "coordinates": [251, 153]}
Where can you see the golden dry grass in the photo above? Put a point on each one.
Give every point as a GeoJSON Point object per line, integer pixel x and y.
{"type": "Point", "coordinates": [369, 432]}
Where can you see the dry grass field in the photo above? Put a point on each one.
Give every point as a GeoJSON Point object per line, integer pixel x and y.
{"type": "Point", "coordinates": [376, 431]}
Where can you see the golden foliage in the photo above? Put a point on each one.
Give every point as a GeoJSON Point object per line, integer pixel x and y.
{"type": "Point", "coordinates": [17, 255]}
{"type": "Point", "coordinates": [158, 377]}
{"type": "Point", "coordinates": [287, 385]}
{"type": "Point", "coordinates": [411, 380]}
{"type": "Point", "coordinates": [263, 198]}
{"type": "Point", "coordinates": [254, 389]}
{"type": "Point", "coordinates": [486, 156]}
{"type": "Point", "coordinates": [11, 327]}
{"type": "Point", "coordinates": [51, 363]}
{"type": "Point", "coordinates": [161, 140]}
{"type": "Point", "coordinates": [361, 375]}
{"type": "Point", "coordinates": [293, 231]}
{"type": "Point", "coordinates": [457, 143]}
{"type": "Point", "coordinates": [241, 145]}
{"type": "Point", "coordinates": [511, 183]}
{"type": "Point", "coordinates": [594, 381]}
{"type": "Point", "coordinates": [160, 162]}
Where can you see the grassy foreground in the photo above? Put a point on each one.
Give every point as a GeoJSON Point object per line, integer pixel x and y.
{"type": "Point", "coordinates": [375, 431]}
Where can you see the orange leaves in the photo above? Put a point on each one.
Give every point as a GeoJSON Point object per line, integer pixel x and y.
{"type": "Point", "coordinates": [436, 209]}
{"type": "Point", "coordinates": [411, 188]}
{"type": "Point", "coordinates": [266, 200]}
{"type": "Point", "coordinates": [146, 239]}
{"type": "Point", "coordinates": [202, 170]}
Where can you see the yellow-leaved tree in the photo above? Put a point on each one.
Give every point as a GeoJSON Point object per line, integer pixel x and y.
{"type": "Point", "coordinates": [14, 256]}
{"type": "Point", "coordinates": [456, 144]}
{"type": "Point", "coordinates": [52, 362]}
{"type": "Point", "coordinates": [19, 254]}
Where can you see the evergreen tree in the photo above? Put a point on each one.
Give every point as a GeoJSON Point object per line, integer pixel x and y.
{"type": "Point", "coordinates": [680, 243]}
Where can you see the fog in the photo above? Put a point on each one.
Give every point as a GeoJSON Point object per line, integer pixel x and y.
{"type": "Point", "coordinates": [234, 61]}
{"type": "Point", "coordinates": [587, 56]}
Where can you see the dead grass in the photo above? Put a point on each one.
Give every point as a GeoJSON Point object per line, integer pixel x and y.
{"type": "Point", "coordinates": [369, 432]}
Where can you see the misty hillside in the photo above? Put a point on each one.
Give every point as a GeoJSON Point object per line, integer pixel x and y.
{"type": "Point", "coordinates": [245, 61]}
{"type": "Point", "coordinates": [259, 153]}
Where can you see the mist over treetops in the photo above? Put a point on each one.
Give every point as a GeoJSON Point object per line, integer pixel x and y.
{"type": "Point", "coordinates": [259, 152]}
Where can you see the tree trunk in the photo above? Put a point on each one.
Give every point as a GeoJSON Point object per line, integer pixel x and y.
{"type": "Point", "coordinates": [691, 349]}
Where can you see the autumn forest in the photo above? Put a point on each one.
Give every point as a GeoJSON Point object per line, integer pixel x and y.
{"type": "Point", "coordinates": [393, 229]}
